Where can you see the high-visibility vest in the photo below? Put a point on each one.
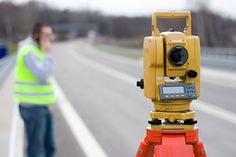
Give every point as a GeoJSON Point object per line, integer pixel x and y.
{"type": "Point", "coordinates": [28, 89]}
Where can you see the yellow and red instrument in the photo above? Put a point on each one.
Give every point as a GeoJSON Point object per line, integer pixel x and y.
{"type": "Point", "coordinates": [172, 82]}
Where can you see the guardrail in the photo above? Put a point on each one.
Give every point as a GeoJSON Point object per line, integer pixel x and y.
{"type": "Point", "coordinates": [224, 58]}
{"type": "Point", "coordinates": [2, 61]}
{"type": "Point", "coordinates": [219, 51]}
{"type": "Point", "coordinates": [5, 66]}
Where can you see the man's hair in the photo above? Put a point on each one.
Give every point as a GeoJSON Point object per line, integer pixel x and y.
{"type": "Point", "coordinates": [37, 29]}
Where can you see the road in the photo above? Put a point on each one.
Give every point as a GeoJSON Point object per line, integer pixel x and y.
{"type": "Point", "coordinates": [116, 112]}
{"type": "Point", "coordinates": [6, 65]}
{"type": "Point", "coordinates": [108, 113]}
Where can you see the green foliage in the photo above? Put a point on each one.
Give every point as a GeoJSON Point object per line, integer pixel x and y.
{"type": "Point", "coordinates": [12, 48]}
{"type": "Point", "coordinates": [133, 53]}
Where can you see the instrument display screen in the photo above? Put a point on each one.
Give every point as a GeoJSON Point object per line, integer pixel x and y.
{"type": "Point", "coordinates": [173, 90]}
{"type": "Point", "coordinates": [177, 91]}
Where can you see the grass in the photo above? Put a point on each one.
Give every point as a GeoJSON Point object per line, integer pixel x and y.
{"type": "Point", "coordinates": [12, 48]}
{"type": "Point", "coordinates": [133, 53]}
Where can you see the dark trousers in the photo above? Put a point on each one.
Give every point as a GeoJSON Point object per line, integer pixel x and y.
{"type": "Point", "coordinates": [38, 122]}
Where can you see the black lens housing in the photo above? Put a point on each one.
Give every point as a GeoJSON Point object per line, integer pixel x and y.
{"type": "Point", "coordinates": [178, 55]}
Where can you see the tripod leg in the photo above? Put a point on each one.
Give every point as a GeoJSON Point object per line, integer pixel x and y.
{"type": "Point", "coordinates": [144, 149]}
{"type": "Point", "coordinates": [199, 150]}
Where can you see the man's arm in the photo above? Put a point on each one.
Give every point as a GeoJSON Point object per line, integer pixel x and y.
{"type": "Point", "coordinates": [41, 69]}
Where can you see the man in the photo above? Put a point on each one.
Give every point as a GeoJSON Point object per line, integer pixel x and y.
{"type": "Point", "coordinates": [34, 91]}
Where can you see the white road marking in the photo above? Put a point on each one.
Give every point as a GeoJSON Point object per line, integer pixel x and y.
{"type": "Point", "coordinates": [215, 111]}
{"type": "Point", "coordinates": [79, 129]}
{"type": "Point", "coordinates": [198, 105]}
{"type": "Point", "coordinates": [219, 77]}
{"type": "Point", "coordinates": [20, 143]}
{"type": "Point", "coordinates": [219, 74]}
{"type": "Point", "coordinates": [12, 144]}
{"type": "Point", "coordinates": [16, 135]}
{"type": "Point", "coordinates": [102, 68]}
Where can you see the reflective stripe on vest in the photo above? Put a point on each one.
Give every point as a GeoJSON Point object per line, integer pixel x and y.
{"type": "Point", "coordinates": [28, 89]}
{"type": "Point", "coordinates": [32, 84]}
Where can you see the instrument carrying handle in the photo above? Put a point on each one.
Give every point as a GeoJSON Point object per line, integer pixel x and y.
{"type": "Point", "coordinates": [171, 15]}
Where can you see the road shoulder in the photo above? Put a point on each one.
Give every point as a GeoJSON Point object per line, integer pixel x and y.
{"type": "Point", "coordinates": [11, 129]}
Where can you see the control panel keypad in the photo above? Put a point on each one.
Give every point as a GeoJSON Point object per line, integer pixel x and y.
{"type": "Point", "coordinates": [177, 91]}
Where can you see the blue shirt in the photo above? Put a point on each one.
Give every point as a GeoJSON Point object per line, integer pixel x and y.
{"type": "Point", "coordinates": [42, 70]}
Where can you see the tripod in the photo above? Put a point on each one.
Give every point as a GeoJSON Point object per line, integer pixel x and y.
{"type": "Point", "coordinates": [171, 143]}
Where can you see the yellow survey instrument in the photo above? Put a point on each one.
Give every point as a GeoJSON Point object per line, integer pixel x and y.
{"type": "Point", "coordinates": [171, 73]}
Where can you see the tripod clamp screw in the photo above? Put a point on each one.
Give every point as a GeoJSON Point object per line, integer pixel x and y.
{"type": "Point", "coordinates": [140, 84]}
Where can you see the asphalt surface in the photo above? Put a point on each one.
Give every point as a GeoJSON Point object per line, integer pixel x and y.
{"type": "Point", "coordinates": [113, 112]}
{"type": "Point", "coordinates": [116, 112]}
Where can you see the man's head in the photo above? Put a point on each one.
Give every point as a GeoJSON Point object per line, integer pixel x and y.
{"type": "Point", "coordinates": [43, 34]}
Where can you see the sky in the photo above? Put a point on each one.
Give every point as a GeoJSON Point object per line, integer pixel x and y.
{"type": "Point", "coordinates": [142, 7]}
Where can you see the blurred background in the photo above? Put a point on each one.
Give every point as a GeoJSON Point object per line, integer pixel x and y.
{"type": "Point", "coordinates": [98, 58]}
